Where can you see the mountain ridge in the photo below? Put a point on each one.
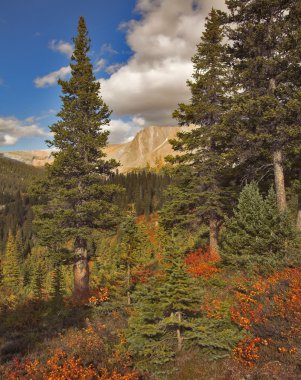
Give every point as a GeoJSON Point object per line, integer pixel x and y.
{"type": "Point", "coordinates": [148, 147]}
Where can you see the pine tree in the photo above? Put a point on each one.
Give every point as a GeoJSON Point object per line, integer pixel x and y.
{"type": "Point", "coordinates": [200, 190]}
{"type": "Point", "coordinates": [19, 246]}
{"type": "Point", "coordinates": [259, 237]}
{"type": "Point", "coordinates": [265, 49]}
{"type": "Point", "coordinates": [165, 309]}
{"type": "Point", "coordinates": [37, 282]}
{"type": "Point", "coordinates": [78, 198]}
{"type": "Point", "coordinates": [11, 267]}
{"type": "Point", "coordinates": [56, 287]}
{"type": "Point", "coordinates": [131, 251]}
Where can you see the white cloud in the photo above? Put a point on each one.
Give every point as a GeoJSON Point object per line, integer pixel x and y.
{"type": "Point", "coordinates": [153, 81]}
{"type": "Point", "coordinates": [107, 48]}
{"type": "Point", "coordinates": [61, 47]}
{"type": "Point", "coordinates": [46, 115]}
{"type": "Point", "coordinates": [12, 129]}
{"type": "Point", "coordinates": [52, 78]}
{"type": "Point", "coordinates": [99, 65]}
{"type": "Point", "coordinates": [122, 131]}
{"type": "Point", "coordinates": [113, 68]}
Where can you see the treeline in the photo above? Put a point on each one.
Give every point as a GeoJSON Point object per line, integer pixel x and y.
{"type": "Point", "coordinates": [142, 193]}
{"type": "Point", "coordinates": [15, 203]}
{"type": "Point", "coordinates": [143, 190]}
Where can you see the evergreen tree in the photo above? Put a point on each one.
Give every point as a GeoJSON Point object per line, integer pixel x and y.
{"type": "Point", "coordinates": [131, 251]}
{"type": "Point", "coordinates": [19, 246]}
{"type": "Point", "coordinates": [78, 198]}
{"type": "Point", "coordinates": [265, 49]}
{"type": "Point", "coordinates": [259, 237]}
{"type": "Point", "coordinates": [165, 309]}
{"type": "Point", "coordinates": [11, 267]}
{"type": "Point", "coordinates": [200, 190]}
{"type": "Point", "coordinates": [56, 286]}
{"type": "Point", "coordinates": [37, 282]}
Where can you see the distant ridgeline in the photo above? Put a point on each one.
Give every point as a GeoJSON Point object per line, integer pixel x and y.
{"type": "Point", "coordinates": [15, 204]}
{"type": "Point", "coordinates": [143, 194]}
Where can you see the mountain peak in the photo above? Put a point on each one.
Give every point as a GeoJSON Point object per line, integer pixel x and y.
{"type": "Point", "coordinates": [149, 146]}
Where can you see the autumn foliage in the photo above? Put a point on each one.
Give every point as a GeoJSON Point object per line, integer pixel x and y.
{"type": "Point", "coordinates": [269, 311]}
{"type": "Point", "coordinates": [202, 263]}
{"type": "Point", "coordinates": [60, 367]}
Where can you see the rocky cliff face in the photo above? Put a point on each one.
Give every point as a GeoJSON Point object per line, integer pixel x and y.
{"type": "Point", "coordinates": [149, 147]}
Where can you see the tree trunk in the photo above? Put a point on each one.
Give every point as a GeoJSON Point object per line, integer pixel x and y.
{"type": "Point", "coordinates": [81, 269]}
{"type": "Point", "coordinates": [298, 223]}
{"type": "Point", "coordinates": [279, 180]}
{"type": "Point", "coordinates": [213, 233]}
{"type": "Point", "coordinates": [179, 335]}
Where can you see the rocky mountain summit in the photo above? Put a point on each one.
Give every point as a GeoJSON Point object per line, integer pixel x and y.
{"type": "Point", "coordinates": [149, 147]}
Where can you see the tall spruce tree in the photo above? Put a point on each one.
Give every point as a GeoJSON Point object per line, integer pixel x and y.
{"type": "Point", "coordinates": [12, 277]}
{"type": "Point", "coordinates": [265, 48]}
{"type": "Point", "coordinates": [205, 169]}
{"type": "Point", "coordinates": [78, 200]}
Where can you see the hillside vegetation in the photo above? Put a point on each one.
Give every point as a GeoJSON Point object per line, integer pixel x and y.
{"type": "Point", "coordinates": [189, 271]}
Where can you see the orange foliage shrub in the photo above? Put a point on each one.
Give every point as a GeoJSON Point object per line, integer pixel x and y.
{"type": "Point", "coordinates": [202, 264]}
{"type": "Point", "coordinates": [247, 351]}
{"type": "Point", "coordinates": [60, 367]}
{"type": "Point", "coordinates": [99, 296]}
{"type": "Point", "coordinates": [269, 309]}
{"type": "Point", "coordinates": [213, 309]}
{"type": "Point", "coordinates": [87, 343]}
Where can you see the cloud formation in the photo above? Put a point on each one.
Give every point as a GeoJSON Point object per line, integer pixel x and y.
{"type": "Point", "coordinates": [107, 49]}
{"type": "Point", "coordinates": [62, 47]}
{"type": "Point", "coordinates": [153, 81]}
{"type": "Point", "coordinates": [99, 65]}
{"type": "Point", "coordinates": [12, 129]}
{"type": "Point", "coordinates": [121, 131]}
{"type": "Point", "coordinates": [52, 78]}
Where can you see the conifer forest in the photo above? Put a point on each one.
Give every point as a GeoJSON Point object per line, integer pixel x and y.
{"type": "Point", "coordinates": [187, 271]}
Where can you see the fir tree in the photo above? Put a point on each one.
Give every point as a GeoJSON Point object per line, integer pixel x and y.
{"type": "Point", "coordinates": [37, 282]}
{"type": "Point", "coordinates": [200, 190]}
{"type": "Point", "coordinates": [259, 237]}
{"type": "Point", "coordinates": [56, 287]}
{"type": "Point", "coordinates": [78, 198]}
{"type": "Point", "coordinates": [165, 309]}
{"type": "Point", "coordinates": [19, 246]}
{"type": "Point", "coordinates": [131, 250]}
{"type": "Point", "coordinates": [11, 267]}
{"type": "Point", "coordinates": [265, 49]}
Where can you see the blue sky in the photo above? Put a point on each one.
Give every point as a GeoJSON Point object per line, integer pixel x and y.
{"type": "Point", "coordinates": [141, 52]}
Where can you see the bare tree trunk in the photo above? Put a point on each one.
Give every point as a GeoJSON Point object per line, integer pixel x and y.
{"type": "Point", "coordinates": [128, 284]}
{"type": "Point", "coordinates": [179, 335]}
{"type": "Point", "coordinates": [81, 269]}
{"type": "Point", "coordinates": [298, 223]}
{"type": "Point", "coordinates": [279, 180]}
{"type": "Point", "coordinates": [213, 233]}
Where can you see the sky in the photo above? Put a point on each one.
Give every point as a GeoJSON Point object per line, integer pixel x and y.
{"type": "Point", "coordinates": [141, 53]}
